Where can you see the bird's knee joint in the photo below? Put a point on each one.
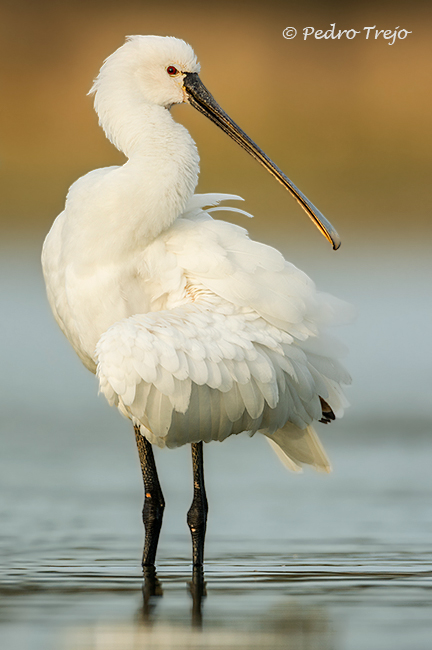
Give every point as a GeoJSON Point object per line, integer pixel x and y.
{"type": "Point", "coordinates": [197, 521]}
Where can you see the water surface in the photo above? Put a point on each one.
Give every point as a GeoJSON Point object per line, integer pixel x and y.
{"type": "Point", "coordinates": [303, 562]}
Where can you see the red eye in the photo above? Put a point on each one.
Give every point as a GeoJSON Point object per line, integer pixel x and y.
{"type": "Point", "coordinates": [172, 70]}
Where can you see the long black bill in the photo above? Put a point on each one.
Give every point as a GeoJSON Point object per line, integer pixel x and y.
{"type": "Point", "coordinates": [200, 98]}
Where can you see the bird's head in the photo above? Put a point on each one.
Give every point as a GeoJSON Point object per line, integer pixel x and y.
{"type": "Point", "coordinates": [153, 68]}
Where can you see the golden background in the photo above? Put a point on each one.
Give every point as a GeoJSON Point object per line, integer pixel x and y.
{"type": "Point", "coordinates": [347, 120]}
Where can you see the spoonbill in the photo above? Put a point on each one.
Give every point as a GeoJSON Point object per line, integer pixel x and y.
{"type": "Point", "coordinates": [195, 331]}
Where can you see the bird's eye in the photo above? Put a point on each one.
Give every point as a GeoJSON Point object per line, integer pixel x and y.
{"type": "Point", "coordinates": [172, 70]}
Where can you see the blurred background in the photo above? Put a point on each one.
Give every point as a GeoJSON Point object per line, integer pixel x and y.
{"type": "Point", "coordinates": [349, 122]}
{"type": "Point", "coordinates": [348, 119]}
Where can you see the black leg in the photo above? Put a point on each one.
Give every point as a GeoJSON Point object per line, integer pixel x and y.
{"type": "Point", "coordinates": [154, 502]}
{"type": "Point", "coordinates": [197, 515]}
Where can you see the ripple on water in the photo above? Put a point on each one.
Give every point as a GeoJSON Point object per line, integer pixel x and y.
{"type": "Point", "coordinates": [302, 600]}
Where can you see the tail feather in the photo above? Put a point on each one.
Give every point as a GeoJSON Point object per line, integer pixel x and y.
{"type": "Point", "coordinates": [295, 447]}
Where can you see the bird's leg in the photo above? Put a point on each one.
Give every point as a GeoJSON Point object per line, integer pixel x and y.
{"type": "Point", "coordinates": [154, 502]}
{"type": "Point", "coordinates": [197, 515]}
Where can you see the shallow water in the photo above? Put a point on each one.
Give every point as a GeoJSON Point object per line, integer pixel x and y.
{"type": "Point", "coordinates": [292, 561]}
{"type": "Point", "coordinates": [303, 562]}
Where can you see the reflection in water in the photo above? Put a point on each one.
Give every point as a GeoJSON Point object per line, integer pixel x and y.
{"type": "Point", "coordinates": [152, 590]}
{"type": "Point", "coordinates": [284, 623]}
{"type": "Point", "coordinates": [198, 592]}
{"type": "Point", "coordinates": [310, 600]}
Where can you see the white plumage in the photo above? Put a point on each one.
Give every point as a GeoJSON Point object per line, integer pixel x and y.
{"type": "Point", "coordinates": [195, 331]}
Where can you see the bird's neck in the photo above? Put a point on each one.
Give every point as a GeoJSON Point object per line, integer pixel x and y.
{"type": "Point", "coordinates": [162, 171]}
{"type": "Point", "coordinates": [135, 126]}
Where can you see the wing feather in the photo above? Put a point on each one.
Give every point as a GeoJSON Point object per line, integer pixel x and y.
{"type": "Point", "coordinates": [258, 386]}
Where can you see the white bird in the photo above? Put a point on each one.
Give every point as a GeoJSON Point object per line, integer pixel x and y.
{"type": "Point", "coordinates": [195, 332]}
